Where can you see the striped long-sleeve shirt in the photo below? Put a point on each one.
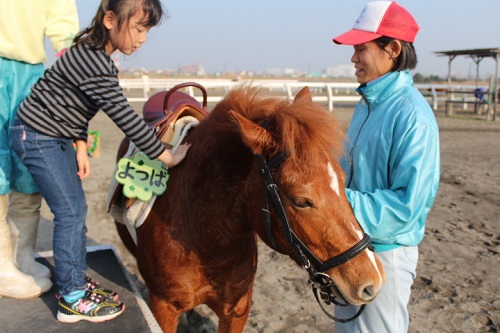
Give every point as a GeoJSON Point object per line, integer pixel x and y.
{"type": "Point", "coordinates": [81, 82]}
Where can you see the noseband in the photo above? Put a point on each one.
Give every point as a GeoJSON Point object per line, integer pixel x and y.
{"type": "Point", "coordinates": [322, 284]}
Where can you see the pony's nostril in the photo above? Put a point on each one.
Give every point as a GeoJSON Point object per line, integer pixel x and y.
{"type": "Point", "coordinates": [369, 292]}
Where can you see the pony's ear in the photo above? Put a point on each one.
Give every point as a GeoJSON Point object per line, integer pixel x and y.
{"type": "Point", "coordinates": [303, 93]}
{"type": "Point", "coordinates": [254, 136]}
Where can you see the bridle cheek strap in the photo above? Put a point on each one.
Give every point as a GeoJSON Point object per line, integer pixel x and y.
{"type": "Point", "coordinates": [272, 189]}
{"type": "Point", "coordinates": [321, 282]}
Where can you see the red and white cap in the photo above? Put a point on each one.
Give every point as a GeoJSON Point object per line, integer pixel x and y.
{"type": "Point", "coordinates": [381, 18]}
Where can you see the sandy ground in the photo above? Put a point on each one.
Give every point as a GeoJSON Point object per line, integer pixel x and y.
{"type": "Point", "coordinates": [458, 279]}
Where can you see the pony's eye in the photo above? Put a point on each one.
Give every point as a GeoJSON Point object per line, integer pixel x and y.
{"type": "Point", "coordinates": [302, 202]}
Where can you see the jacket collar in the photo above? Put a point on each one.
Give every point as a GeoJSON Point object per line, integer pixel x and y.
{"type": "Point", "coordinates": [382, 88]}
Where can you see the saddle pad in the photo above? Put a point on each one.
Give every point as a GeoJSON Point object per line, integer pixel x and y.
{"type": "Point", "coordinates": [133, 213]}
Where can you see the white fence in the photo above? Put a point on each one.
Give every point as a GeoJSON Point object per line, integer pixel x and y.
{"type": "Point", "coordinates": [323, 92]}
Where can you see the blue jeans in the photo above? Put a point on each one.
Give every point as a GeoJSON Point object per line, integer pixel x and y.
{"type": "Point", "coordinates": [52, 163]}
{"type": "Point", "coordinates": [388, 313]}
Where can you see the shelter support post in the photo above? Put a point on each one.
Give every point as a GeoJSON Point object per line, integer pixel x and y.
{"type": "Point", "coordinates": [449, 93]}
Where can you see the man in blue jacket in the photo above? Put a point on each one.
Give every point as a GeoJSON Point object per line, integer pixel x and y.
{"type": "Point", "coordinates": [392, 161]}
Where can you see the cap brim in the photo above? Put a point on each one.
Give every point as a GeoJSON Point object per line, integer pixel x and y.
{"type": "Point", "coordinates": [355, 37]}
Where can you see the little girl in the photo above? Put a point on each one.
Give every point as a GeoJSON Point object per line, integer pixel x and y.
{"type": "Point", "coordinates": [56, 114]}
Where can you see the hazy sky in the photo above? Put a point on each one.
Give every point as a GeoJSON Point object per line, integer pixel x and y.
{"type": "Point", "coordinates": [259, 34]}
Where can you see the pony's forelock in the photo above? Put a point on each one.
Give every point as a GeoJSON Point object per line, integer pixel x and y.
{"type": "Point", "coordinates": [290, 121]}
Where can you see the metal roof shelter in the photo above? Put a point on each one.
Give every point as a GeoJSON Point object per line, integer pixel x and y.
{"type": "Point", "coordinates": [477, 55]}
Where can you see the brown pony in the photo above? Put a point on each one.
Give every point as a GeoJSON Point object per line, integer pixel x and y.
{"type": "Point", "coordinates": [199, 243]}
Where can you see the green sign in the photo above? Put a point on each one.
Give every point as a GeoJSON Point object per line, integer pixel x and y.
{"type": "Point", "coordinates": [141, 177]}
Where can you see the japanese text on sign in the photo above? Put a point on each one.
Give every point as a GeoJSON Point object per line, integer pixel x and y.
{"type": "Point", "coordinates": [141, 177]}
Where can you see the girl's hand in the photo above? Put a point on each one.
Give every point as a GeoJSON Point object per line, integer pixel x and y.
{"type": "Point", "coordinates": [82, 159]}
{"type": "Point", "coordinates": [171, 160]}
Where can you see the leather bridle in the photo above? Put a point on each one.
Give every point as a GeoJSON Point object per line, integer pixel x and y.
{"type": "Point", "coordinates": [322, 284]}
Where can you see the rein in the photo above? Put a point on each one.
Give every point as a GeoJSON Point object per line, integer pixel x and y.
{"type": "Point", "coordinates": [322, 284]}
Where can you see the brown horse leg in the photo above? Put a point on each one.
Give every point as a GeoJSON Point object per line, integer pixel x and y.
{"type": "Point", "coordinates": [235, 323]}
{"type": "Point", "coordinates": [165, 314]}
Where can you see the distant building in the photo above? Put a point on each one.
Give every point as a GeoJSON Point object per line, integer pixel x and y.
{"type": "Point", "coordinates": [341, 71]}
{"type": "Point", "coordinates": [194, 69]}
{"type": "Point", "coordinates": [282, 72]}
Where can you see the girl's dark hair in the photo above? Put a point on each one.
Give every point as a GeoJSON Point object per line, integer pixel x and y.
{"type": "Point", "coordinates": [407, 59]}
{"type": "Point", "coordinates": [97, 34]}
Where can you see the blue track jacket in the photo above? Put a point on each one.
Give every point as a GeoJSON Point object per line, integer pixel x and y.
{"type": "Point", "coordinates": [392, 161]}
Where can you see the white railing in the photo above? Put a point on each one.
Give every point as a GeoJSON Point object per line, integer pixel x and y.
{"type": "Point", "coordinates": [439, 94]}
{"type": "Point", "coordinates": [323, 92]}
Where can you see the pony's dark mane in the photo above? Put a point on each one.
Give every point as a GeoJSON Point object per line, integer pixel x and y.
{"type": "Point", "coordinates": [295, 120]}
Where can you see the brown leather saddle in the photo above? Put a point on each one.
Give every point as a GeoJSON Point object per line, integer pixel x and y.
{"type": "Point", "coordinates": [163, 109]}
{"type": "Point", "coordinates": [161, 112]}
